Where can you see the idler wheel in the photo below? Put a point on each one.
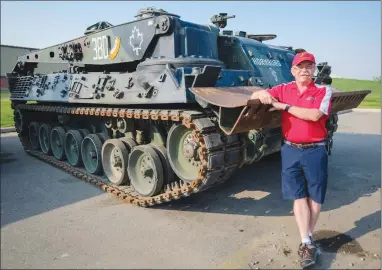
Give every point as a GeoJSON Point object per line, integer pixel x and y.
{"type": "Point", "coordinates": [44, 138]}
{"type": "Point", "coordinates": [145, 170]}
{"type": "Point", "coordinates": [72, 145]}
{"type": "Point", "coordinates": [33, 135]}
{"type": "Point", "coordinates": [57, 140]}
{"type": "Point", "coordinates": [91, 148]}
{"type": "Point", "coordinates": [182, 150]}
{"type": "Point", "coordinates": [114, 161]}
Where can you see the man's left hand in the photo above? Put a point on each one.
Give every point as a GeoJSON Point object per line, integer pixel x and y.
{"type": "Point", "coordinates": [277, 106]}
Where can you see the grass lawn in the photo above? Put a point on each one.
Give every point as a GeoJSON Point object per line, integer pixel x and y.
{"type": "Point", "coordinates": [6, 110]}
{"type": "Point", "coordinates": [372, 100]}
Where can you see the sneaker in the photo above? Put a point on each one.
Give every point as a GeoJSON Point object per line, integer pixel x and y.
{"type": "Point", "coordinates": [300, 248]}
{"type": "Point", "coordinates": [308, 254]}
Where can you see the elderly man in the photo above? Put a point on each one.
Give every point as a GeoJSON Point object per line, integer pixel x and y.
{"type": "Point", "coordinates": [305, 108]}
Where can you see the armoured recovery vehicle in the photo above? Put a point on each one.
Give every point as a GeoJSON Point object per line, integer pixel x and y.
{"type": "Point", "coordinates": [155, 109]}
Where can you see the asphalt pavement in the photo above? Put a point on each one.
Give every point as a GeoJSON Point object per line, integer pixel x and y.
{"type": "Point", "coordinates": [50, 219]}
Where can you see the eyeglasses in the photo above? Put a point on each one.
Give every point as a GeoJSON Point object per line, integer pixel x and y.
{"type": "Point", "coordinates": [307, 67]}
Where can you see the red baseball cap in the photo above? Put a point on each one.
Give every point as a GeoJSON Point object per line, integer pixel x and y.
{"type": "Point", "coordinates": [303, 56]}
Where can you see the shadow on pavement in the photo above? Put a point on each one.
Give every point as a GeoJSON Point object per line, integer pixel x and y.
{"type": "Point", "coordinates": [354, 172]}
{"type": "Point", "coordinates": [333, 243]}
{"type": "Point", "coordinates": [30, 187]}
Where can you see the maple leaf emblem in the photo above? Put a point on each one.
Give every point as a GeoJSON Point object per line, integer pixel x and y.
{"type": "Point", "coordinates": [136, 40]}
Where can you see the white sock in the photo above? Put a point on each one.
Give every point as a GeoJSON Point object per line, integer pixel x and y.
{"type": "Point", "coordinates": [306, 240]}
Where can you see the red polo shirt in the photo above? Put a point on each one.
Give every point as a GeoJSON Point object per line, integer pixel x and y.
{"type": "Point", "coordinates": [315, 96]}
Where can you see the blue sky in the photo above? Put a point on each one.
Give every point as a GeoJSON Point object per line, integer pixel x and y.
{"type": "Point", "coordinates": [346, 34]}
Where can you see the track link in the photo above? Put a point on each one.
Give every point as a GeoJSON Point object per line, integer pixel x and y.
{"type": "Point", "coordinates": [220, 155]}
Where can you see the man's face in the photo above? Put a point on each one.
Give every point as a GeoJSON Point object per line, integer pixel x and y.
{"type": "Point", "coordinates": [304, 71]}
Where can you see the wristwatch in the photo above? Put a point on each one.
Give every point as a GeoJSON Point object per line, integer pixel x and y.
{"type": "Point", "coordinates": [287, 107]}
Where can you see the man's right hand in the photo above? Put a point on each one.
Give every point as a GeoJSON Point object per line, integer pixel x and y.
{"type": "Point", "coordinates": [263, 96]}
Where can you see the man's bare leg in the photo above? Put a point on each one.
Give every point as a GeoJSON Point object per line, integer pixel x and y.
{"type": "Point", "coordinates": [302, 214]}
{"type": "Point", "coordinates": [315, 209]}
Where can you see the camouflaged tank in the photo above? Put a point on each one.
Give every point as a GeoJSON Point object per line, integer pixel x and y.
{"type": "Point", "coordinates": [154, 109]}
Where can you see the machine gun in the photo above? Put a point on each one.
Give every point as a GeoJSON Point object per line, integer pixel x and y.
{"type": "Point", "coordinates": [221, 20]}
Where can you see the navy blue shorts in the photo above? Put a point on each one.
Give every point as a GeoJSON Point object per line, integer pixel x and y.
{"type": "Point", "coordinates": [304, 172]}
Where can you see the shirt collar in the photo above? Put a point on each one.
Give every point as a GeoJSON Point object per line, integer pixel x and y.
{"type": "Point", "coordinates": [310, 86]}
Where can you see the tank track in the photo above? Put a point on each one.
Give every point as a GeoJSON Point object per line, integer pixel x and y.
{"type": "Point", "coordinates": [220, 155]}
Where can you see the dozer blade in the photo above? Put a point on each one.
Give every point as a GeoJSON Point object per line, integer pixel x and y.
{"type": "Point", "coordinates": [237, 113]}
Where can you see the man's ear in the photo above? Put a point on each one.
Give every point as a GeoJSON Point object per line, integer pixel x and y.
{"type": "Point", "coordinates": [292, 71]}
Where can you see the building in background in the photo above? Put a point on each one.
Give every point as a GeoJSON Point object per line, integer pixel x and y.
{"type": "Point", "coordinates": [8, 58]}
